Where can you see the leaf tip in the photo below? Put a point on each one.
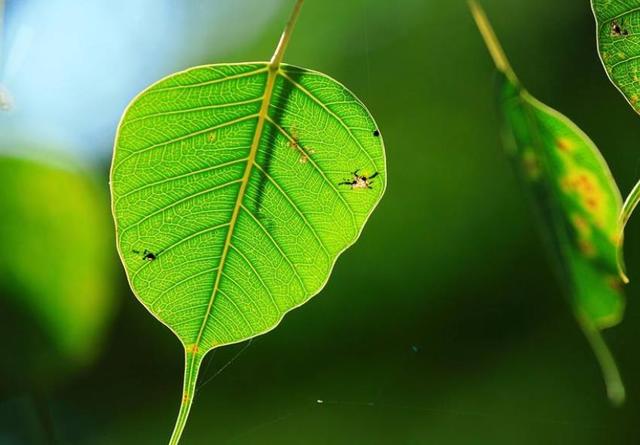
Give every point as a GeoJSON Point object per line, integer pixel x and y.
{"type": "Point", "coordinates": [622, 271]}
{"type": "Point", "coordinates": [616, 394]}
{"type": "Point", "coordinates": [613, 381]}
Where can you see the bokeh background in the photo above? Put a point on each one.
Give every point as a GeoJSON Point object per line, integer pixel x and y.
{"type": "Point", "coordinates": [444, 324]}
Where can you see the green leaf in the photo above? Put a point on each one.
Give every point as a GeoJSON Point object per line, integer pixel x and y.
{"type": "Point", "coordinates": [618, 32]}
{"type": "Point", "coordinates": [55, 266]}
{"type": "Point", "coordinates": [235, 187]}
{"type": "Point", "coordinates": [576, 199]}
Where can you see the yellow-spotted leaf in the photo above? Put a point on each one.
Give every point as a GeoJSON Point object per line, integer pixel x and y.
{"type": "Point", "coordinates": [576, 199]}
{"type": "Point", "coordinates": [235, 188]}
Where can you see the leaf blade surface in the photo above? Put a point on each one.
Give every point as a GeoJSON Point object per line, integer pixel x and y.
{"type": "Point", "coordinates": [291, 195]}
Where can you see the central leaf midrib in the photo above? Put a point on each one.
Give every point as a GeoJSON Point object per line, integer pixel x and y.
{"type": "Point", "coordinates": [255, 145]}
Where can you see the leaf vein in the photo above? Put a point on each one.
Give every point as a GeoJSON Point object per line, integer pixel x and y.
{"type": "Point", "coordinates": [182, 138]}
{"type": "Point", "coordinates": [318, 169]}
{"type": "Point", "coordinates": [296, 208]}
{"type": "Point", "coordinates": [191, 110]}
{"type": "Point", "coordinates": [332, 114]}
{"type": "Point", "coordinates": [178, 202]}
{"type": "Point", "coordinates": [276, 245]}
{"type": "Point", "coordinates": [176, 244]}
{"type": "Point", "coordinates": [178, 284]}
{"type": "Point", "coordinates": [185, 175]}
{"type": "Point", "coordinates": [211, 82]}
{"type": "Point", "coordinates": [255, 271]}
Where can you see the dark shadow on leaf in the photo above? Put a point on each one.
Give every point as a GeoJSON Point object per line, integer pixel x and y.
{"type": "Point", "coordinates": [279, 102]}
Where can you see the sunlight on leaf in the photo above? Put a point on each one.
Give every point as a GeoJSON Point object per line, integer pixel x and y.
{"type": "Point", "coordinates": [235, 187]}
{"type": "Point", "coordinates": [576, 199]}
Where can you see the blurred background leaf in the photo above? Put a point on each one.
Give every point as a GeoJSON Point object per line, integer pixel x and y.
{"type": "Point", "coordinates": [56, 269]}
{"type": "Point", "coordinates": [576, 200]}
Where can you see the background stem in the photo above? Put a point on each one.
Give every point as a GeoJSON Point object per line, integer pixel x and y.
{"type": "Point", "coordinates": [490, 39]}
{"type": "Point", "coordinates": [43, 412]}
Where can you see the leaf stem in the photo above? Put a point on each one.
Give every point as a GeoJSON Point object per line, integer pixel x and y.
{"type": "Point", "coordinates": [628, 207]}
{"type": "Point", "coordinates": [278, 56]}
{"type": "Point", "coordinates": [192, 361]}
{"type": "Point", "coordinates": [610, 372]}
{"type": "Point", "coordinates": [490, 39]}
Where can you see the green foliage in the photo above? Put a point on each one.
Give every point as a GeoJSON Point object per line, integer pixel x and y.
{"type": "Point", "coordinates": [53, 267]}
{"type": "Point", "coordinates": [576, 199]}
{"type": "Point", "coordinates": [235, 188]}
{"type": "Point", "coordinates": [618, 28]}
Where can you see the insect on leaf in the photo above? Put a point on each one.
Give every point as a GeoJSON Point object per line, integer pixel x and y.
{"type": "Point", "coordinates": [235, 187]}
{"type": "Point", "coordinates": [576, 199]}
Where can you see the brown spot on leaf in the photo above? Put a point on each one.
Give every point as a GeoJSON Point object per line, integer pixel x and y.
{"type": "Point", "coordinates": [581, 225]}
{"type": "Point", "coordinates": [586, 248]}
{"type": "Point", "coordinates": [585, 187]}
{"type": "Point", "coordinates": [294, 142]}
{"type": "Point", "coordinates": [564, 144]}
{"type": "Point", "coordinates": [531, 164]}
{"type": "Point", "coordinates": [614, 282]}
